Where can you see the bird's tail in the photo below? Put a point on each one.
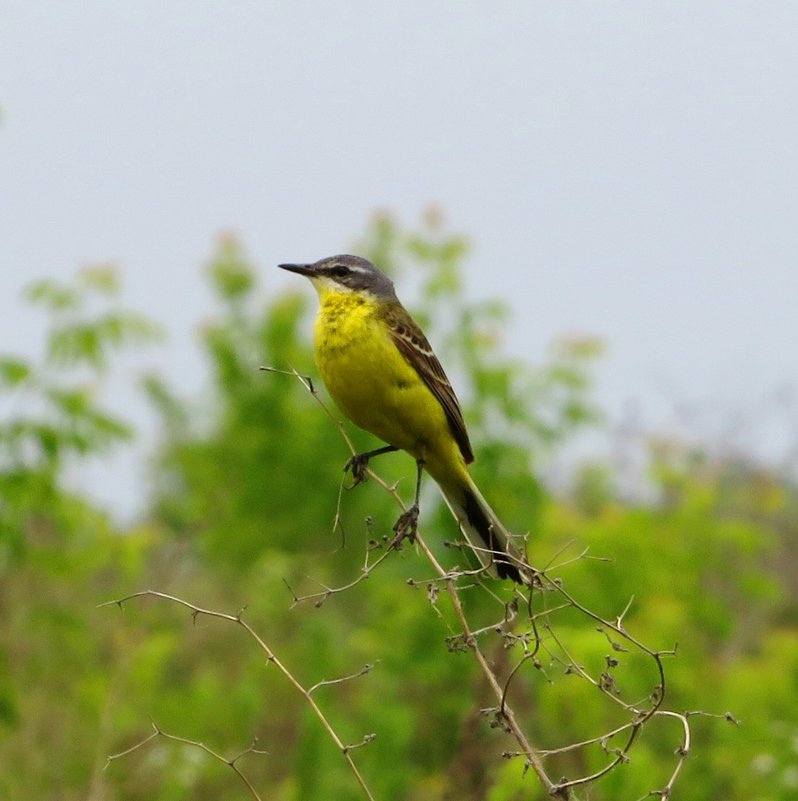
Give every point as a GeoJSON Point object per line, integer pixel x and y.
{"type": "Point", "coordinates": [479, 522]}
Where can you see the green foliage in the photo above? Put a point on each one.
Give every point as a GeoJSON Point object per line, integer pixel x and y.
{"type": "Point", "coordinates": [57, 551]}
{"type": "Point", "coordinates": [244, 494]}
{"type": "Point", "coordinates": [54, 416]}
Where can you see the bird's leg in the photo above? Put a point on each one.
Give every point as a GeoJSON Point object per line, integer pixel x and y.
{"type": "Point", "coordinates": [359, 463]}
{"type": "Point", "coordinates": [407, 524]}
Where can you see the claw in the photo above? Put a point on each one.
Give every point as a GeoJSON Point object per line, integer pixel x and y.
{"type": "Point", "coordinates": [358, 464]}
{"type": "Point", "coordinates": [406, 526]}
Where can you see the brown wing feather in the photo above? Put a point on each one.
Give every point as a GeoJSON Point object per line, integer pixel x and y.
{"type": "Point", "coordinates": [413, 345]}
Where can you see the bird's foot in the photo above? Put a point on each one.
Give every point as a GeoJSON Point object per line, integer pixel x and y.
{"type": "Point", "coordinates": [358, 465]}
{"type": "Point", "coordinates": [406, 526]}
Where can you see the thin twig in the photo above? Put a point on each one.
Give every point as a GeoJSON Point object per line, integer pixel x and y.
{"type": "Point", "coordinates": [231, 763]}
{"type": "Point", "coordinates": [271, 658]}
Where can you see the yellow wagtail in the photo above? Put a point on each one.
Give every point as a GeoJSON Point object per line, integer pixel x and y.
{"type": "Point", "coordinates": [381, 372]}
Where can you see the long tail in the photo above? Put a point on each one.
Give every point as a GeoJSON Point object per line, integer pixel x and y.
{"type": "Point", "coordinates": [479, 522]}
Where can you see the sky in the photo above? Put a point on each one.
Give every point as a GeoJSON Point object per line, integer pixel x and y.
{"type": "Point", "coordinates": [627, 170]}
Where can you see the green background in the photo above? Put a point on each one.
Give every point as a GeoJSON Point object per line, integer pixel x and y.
{"type": "Point", "coordinates": [242, 496]}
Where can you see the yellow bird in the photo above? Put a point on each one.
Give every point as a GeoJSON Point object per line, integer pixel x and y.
{"type": "Point", "coordinates": [381, 372]}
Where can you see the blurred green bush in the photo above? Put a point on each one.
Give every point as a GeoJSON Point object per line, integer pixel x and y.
{"type": "Point", "coordinates": [244, 493]}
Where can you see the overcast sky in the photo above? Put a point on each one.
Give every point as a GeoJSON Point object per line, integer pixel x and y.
{"type": "Point", "coordinates": [623, 169]}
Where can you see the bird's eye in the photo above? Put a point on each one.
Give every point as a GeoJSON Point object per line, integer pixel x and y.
{"type": "Point", "coordinates": [340, 270]}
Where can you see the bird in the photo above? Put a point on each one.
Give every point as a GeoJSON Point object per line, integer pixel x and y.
{"type": "Point", "coordinates": [382, 373]}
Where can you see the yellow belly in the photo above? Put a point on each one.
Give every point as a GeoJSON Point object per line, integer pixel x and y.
{"type": "Point", "coordinates": [376, 388]}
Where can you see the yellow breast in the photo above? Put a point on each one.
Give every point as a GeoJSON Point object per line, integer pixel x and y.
{"type": "Point", "coordinates": [372, 383]}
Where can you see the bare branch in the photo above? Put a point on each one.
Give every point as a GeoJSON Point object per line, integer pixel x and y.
{"type": "Point", "coordinates": [329, 682]}
{"type": "Point", "coordinates": [231, 763]}
{"type": "Point", "coordinates": [271, 658]}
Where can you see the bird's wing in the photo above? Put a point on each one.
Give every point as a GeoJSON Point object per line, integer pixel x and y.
{"type": "Point", "coordinates": [413, 345]}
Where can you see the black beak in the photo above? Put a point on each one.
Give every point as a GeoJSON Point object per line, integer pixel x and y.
{"type": "Point", "coordinates": [302, 269]}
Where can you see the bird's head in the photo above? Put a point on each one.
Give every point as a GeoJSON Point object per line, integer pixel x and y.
{"type": "Point", "coordinates": [344, 274]}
